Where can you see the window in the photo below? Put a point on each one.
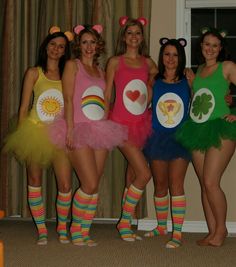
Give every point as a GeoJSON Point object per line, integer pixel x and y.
{"type": "Point", "coordinates": [192, 15]}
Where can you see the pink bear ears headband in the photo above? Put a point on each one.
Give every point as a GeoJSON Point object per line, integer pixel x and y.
{"type": "Point", "coordinates": [124, 19]}
{"type": "Point", "coordinates": [68, 34]}
{"type": "Point", "coordinates": [98, 28]}
{"type": "Point", "coordinates": [181, 41]}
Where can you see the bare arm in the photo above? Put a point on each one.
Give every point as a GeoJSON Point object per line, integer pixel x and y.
{"type": "Point", "coordinates": [30, 79]}
{"type": "Point", "coordinates": [68, 81]}
{"type": "Point", "coordinates": [110, 74]}
{"type": "Point", "coordinates": [153, 70]}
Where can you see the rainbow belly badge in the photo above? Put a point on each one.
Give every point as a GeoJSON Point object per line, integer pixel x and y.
{"type": "Point", "coordinates": [170, 110]}
{"type": "Point", "coordinates": [49, 105]}
{"type": "Point", "coordinates": [92, 103]}
{"type": "Point", "coordinates": [135, 97]}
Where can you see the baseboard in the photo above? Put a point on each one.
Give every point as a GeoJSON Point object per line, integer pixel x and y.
{"type": "Point", "coordinates": [147, 224]}
{"type": "Point", "coordinates": [189, 226]}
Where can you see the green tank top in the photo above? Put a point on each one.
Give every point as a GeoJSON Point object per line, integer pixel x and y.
{"type": "Point", "coordinates": [209, 96]}
{"type": "Point", "coordinates": [48, 99]}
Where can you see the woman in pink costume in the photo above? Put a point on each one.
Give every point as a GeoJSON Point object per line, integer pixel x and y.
{"type": "Point", "coordinates": [131, 70]}
{"type": "Point", "coordinates": [85, 131]}
{"type": "Point", "coordinates": [30, 142]}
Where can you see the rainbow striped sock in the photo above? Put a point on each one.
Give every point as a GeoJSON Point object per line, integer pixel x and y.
{"type": "Point", "coordinates": [79, 206]}
{"type": "Point", "coordinates": [88, 218]}
{"type": "Point", "coordinates": [124, 225]}
{"type": "Point", "coordinates": [161, 208]}
{"type": "Point", "coordinates": [37, 210]}
{"type": "Point", "coordinates": [124, 196]}
{"type": "Point", "coordinates": [63, 206]}
{"type": "Point", "coordinates": [178, 208]}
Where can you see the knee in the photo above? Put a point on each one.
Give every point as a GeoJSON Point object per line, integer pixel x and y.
{"type": "Point", "coordinates": [177, 189]}
{"type": "Point", "coordinates": [90, 189]}
{"type": "Point", "coordinates": [64, 188]}
{"type": "Point", "coordinates": [34, 181]}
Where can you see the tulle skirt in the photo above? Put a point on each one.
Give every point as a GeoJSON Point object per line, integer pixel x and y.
{"type": "Point", "coordinates": [163, 146]}
{"type": "Point", "coordinates": [202, 136]}
{"type": "Point", "coordinates": [138, 132]}
{"type": "Point", "coordinates": [103, 134]}
{"type": "Point", "coordinates": [30, 142]}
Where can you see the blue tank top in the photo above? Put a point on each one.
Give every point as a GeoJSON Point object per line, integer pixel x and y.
{"type": "Point", "coordinates": [170, 104]}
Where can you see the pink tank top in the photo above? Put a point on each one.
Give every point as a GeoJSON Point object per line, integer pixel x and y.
{"type": "Point", "coordinates": [88, 96]}
{"type": "Point", "coordinates": [131, 92]}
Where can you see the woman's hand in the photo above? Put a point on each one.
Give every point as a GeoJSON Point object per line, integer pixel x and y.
{"type": "Point", "coordinates": [69, 139]}
{"type": "Point", "coordinates": [230, 117]}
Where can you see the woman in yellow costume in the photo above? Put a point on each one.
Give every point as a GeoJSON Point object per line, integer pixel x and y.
{"type": "Point", "coordinates": [30, 142]}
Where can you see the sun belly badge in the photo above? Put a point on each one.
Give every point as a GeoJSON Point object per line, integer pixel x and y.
{"type": "Point", "coordinates": [49, 105]}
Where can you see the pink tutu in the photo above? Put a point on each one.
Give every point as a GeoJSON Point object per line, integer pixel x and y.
{"type": "Point", "coordinates": [95, 134]}
{"type": "Point", "coordinates": [139, 131]}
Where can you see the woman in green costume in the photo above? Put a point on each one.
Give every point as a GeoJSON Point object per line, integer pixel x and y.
{"type": "Point", "coordinates": [214, 128]}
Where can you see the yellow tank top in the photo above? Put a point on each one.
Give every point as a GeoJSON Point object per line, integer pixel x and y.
{"type": "Point", "coordinates": [48, 100]}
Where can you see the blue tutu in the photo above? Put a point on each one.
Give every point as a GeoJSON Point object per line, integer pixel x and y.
{"type": "Point", "coordinates": [163, 146]}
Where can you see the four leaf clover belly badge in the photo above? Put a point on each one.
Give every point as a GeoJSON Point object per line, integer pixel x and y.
{"type": "Point", "coordinates": [203, 104]}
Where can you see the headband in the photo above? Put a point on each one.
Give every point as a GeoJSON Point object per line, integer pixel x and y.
{"type": "Point", "coordinates": [124, 19]}
{"type": "Point", "coordinates": [68, 34]}
{"type": "Point", "coordinates": [181, 41]}
{"type": "Point", "coordinates": [223, 33]}
{"type": "Point", "coordinates": [98, 28]}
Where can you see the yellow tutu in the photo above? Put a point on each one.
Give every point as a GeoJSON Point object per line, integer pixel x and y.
{"type": "Point", "coordinates": [30, 143]}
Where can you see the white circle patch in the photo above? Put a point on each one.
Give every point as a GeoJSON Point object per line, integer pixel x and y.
{"type": "Point", "coordinates": [202, 106]}
{"type": "Point", "coordinates": [92, 103]}
{"type": "Point", "coordinates": [135, 97]}
{"type": "Point", "coordinates": [49, 104]}
{"type": "Point", "coordinates": [170, 110]}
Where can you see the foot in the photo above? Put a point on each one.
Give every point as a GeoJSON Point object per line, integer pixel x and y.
{"type": "Point", "coordinates": [174, 243]}
{"type": "Point", "coordinates": [77, 242]}
{"type": "Point", "coordinates": [42, 241]}
{"type": "Point", "coordinates": [63, 239]}
{"type": "Point", "coordinates": [89, 242]}
{"type": "Point", "coordinates": [156, 232]}
{"type": "Point", "coordinates": [76, 236]}
{"type": "Point", "coordinates": [218, 240]}
{"type": "Point", "coordinates": [126, 233]}
{"type": "Point", "coordinates": [205, 241]}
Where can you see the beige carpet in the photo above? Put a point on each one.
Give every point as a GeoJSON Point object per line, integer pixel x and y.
{"type": "Point", "coordinates": [21, 251]}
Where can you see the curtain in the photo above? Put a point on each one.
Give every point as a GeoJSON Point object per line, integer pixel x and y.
{"type": "Point", "coordinates": [23, 26]}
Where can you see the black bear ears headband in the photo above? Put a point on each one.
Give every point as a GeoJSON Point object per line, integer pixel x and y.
{"type": "Point", "coordinates": [165, 40]}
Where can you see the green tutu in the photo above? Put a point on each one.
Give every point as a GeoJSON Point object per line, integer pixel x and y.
{"type": "Point", "coordinates": [202, 136]}
{"type": "Point", "coordinates": [30, 143]}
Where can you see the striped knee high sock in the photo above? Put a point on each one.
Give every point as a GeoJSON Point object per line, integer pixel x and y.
{"type": "Point", "coordinates": [178, 208]}
{"type": "Point", "coordinates": [88, 219]}
{"type": "Point", "coordinates": [79, 206]}
{"type": "Point", "coordinates": [37, 210]}
{"type": "Point", "coordinates": [124, 225]}
{"type": "Point", "coordinates": [124, 196]}
{"type": "Point", "coordinates": [63, 206]}
{"type": "Point", "coordinates": [161, 208]}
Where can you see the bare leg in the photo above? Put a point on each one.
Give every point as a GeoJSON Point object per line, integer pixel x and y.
{"type": "Point", "coordinates": [198, 162]}
{"type": "Point", "coordinates": [216, 161]}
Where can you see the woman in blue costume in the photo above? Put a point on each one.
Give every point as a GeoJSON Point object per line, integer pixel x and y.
{"type": "Point", "coordinates": [210, 133]}
{"type": "Point", "coordinates": [30, 142]}
{"type": "Point", "coordinates": [168, 158]}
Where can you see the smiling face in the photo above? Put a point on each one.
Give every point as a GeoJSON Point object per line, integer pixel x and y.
{"type": "Point", "coordinates": [88, 45]}
{"type": "Point", "coordinates": [170, 57]}
{"type": "Point", "coordinates": [133, 36]}
{"type": "Point", "coordinates": [56, 48]}
{"type": "Point", "coordinates": [211, 47]}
